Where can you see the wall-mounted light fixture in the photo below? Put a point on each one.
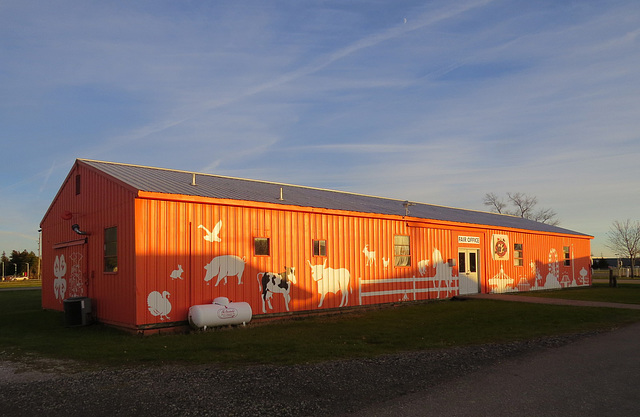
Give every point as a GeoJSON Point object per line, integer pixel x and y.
{"type": "Point", "coordinates": [76, 228]}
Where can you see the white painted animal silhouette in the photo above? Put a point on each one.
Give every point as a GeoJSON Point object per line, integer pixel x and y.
{"type": "Point", "coordinates": [59, 284]}
{"type": "Point", "coordinates": [224, 266]}
{"type": "Point", "coordinates": [272, 283]}
{"type": "Point", "coordinates": [385, 262]}
{"type": "Point", "coordinates": [212, 236]}
{"type": "Point", "coordinates": [422, 267]}
{"type": "Point", "coordinates": [159, 304]}
{"type": "Point", "coordinates": [370, 255]}
{"type": "Point", "coordinates": [331, 280]}
{"type": "Point", "coordinates": [444, 271]}
{"type": "Point", "coordinates": [177, 273]}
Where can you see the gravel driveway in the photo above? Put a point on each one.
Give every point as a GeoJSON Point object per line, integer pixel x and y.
{"type": "Point", "coordinates": [324, 389]}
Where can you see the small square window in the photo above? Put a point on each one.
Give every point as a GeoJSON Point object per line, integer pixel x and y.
{"type": "Point", "coordinates": [319, 248]}
{"type": "Point", "coordinates": [261, 246]}
{"type": "Point", "coordinates": [518, 254]}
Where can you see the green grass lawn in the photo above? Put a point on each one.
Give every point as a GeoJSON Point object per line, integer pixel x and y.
{"type": "Point", "coordinates": [624, 293]}
{"type": "Point", "coordinates": [26, 331]}
{"type": "Point", "coordinates": [28, 283]}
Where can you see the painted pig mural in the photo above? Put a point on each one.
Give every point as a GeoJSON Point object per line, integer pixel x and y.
{"type": "Point", "coordinates": [224, 266]}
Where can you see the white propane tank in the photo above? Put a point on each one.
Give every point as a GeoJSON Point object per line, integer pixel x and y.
{"type": "Point", "coordinates": [221, 312]}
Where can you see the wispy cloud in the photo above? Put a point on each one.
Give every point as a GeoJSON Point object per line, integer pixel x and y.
{"type": "Point", "coordinates": [462, 99]}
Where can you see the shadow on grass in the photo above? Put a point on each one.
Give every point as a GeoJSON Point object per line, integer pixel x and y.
{"type": "Point", "coordinates": [25, 329]}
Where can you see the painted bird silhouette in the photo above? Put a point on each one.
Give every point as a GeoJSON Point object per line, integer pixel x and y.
{"type": "Point", "coordinates": [159, 304]}
{"type": "Point", "coordinates": [212, 236]}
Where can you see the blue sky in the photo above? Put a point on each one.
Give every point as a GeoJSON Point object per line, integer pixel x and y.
{"type": "Point", "coordinates": [431, 101]}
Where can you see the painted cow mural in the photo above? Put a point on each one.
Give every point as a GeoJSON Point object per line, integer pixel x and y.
{"type": "Point", "coordinates": [331, 281]}
{"type": "Point", "coordinates": [272, 283]}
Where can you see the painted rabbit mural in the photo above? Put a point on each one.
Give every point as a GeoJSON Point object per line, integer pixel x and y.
{"type": "Point", "coordinates": [177, 273]}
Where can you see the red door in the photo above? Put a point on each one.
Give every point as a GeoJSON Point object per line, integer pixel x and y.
{"type": "Point", "coordinates": [69, 269]}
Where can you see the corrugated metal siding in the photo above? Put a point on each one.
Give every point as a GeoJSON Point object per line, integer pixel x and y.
{"type": "Point", "coordinates": [543, 266]}
{"type": "Point", "coordinates": [100, 204]}
{"type": "Point", "coordinates": [169, 235]}
{"type": "Point", "coordinates": [163, 255]}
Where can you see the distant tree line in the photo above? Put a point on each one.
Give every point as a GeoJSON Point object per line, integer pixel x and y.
{"type": "Point", "coordinates": [17, 263]}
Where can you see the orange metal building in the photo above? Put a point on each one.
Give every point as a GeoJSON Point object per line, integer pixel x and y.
{"type": "Point", "coordinates": [145, 244]}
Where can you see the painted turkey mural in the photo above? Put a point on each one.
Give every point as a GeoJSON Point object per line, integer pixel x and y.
{"type": "Point", "coordinates": [159, 304]}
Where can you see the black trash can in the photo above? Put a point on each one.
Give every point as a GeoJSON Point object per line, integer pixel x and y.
{"type": "Point", "coordinates": [77, 311]}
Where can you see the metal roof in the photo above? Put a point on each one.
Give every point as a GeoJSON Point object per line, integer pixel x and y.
{"type": "Point", "coordinates": [160, 180]}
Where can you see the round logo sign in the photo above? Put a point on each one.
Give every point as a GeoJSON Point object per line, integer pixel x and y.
{"type": "Point", "coordinates": [500, 249]}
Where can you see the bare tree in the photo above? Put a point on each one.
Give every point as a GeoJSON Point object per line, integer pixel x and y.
{"type": "Point", "coordinates": [547, 216]}
{"type": "Point", "coordinates": [523, 206]}
{"type": "Point", "coordinates": [624, 239]}
{"type": "Point", "coordinates": [496, 203]}
{"type": "Point", "coordinates": [523, 203]}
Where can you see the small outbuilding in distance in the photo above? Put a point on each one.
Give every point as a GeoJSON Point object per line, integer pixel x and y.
{"type": "Point", "coordinates": [146, 244]}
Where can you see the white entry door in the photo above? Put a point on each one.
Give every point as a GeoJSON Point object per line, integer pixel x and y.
{"type": "Point", "coordinates": [468, 271]}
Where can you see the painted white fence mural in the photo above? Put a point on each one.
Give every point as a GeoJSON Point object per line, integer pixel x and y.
{"type": "Point", "coordinates": [443, 280]}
